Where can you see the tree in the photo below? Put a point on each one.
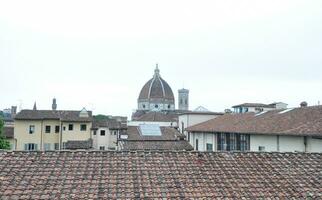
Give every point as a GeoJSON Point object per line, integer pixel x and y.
{"type": "Point", "coordinates": [4, 144]}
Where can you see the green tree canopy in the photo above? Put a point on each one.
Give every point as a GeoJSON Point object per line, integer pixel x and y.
{"type": "Point", "coordinates": [4, 143]}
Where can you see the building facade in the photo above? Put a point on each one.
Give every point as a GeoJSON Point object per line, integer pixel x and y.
{"type": "Point", "coordinates": [258, 107]}
{"type": "Point", "coordinates": [51, 129]}
{"type": "Point", "coordinates": [284, 130]}
{"type": "Point", "coordinates": [105, 133]}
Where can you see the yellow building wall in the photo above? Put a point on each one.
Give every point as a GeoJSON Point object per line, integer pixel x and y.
{"type": "Point", "coordinates": [52, 137]}
{"type": "Point", "coordinates": [76, 133]}
{"type": "Point", "coordinates": [40, 137]}
{"type": "Point", "coordinates": [21, 133]}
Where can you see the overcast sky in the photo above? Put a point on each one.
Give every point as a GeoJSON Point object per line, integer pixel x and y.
{"type": "Point", "coordinates": [99, 54]}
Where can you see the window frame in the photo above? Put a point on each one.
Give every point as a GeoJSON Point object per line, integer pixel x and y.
{"type": "Point", "coordinates": [47, 129]}
{"type": "Point", "coordinates": [32, 129]}
{"type": "Point", "coordinates": [70, 127]}
{"type": "Point", "coordinates": [82, 127]}
{"type": "Point", "coordinates": [57, 131]}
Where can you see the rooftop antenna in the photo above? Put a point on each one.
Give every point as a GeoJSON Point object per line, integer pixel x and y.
{"type": "Point", "coordinates": [20, 104]}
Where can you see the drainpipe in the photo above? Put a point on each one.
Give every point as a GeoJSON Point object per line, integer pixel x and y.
{"type": "Point", "coordinates": [41, 135]}
{"type": "Point", "coordinates": [61, 135]}
{"type": "Point", "coordinates": [278, 143]}
{"type": "Point", "coordinates": [305, 143]}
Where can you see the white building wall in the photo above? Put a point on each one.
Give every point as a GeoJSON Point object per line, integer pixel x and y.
{"type": "Point", "coordinates": [314, 145]}
{"type": "Point", "coordinates": [108, 140]}
{"type": "Point", "coordinates": [203, 139]}
{"type": "Point", "coordinates": [291, 144]}
{"type": "Point", "coordinates": [193, 119]}
{"type": "Point", "coordinates": [268, 141]}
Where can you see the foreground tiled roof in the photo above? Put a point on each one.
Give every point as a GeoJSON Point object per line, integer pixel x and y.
{"type": "Point", "coordinates": [64, 115]}
{"type": "Point", "coordinates": [298, 121]}
{"type": "Point", "coordinates": [156, 175]}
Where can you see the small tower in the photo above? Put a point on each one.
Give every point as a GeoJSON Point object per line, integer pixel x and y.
{"type": "Point", "coordinates": [35, 106]}
{"type": "Point", "coordinates": [183, 95]}
{"type": "Point", "coordinates": [54, 105]}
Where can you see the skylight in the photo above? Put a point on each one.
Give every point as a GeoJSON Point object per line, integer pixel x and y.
{"type": "Point", "coordinates": [150, 129]}
{"type": "Point", "coordinates": [286, 110]}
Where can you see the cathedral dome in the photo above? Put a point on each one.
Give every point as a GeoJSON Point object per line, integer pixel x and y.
{"type": "Point", "coordinates": [156, 91]}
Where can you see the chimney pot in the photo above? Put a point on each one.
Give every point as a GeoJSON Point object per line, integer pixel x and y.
{"type": "Point", "coordinates": [303, 104]}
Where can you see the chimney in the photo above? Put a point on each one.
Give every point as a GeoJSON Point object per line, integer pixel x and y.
{"type": "Point", "coordinates": [303, 104]}
{"type": "Point", "coordinates": [13, 111]}
{"type": "Point", "coordinates": [54, 105]}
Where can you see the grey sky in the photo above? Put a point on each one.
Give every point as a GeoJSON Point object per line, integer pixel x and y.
{"type": "Point", "coordinates": [99, 54]}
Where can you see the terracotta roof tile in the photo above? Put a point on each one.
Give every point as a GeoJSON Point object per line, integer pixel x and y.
{"type": "Point", "coordinates": [156, 175]}
{"type": "Point", "coordinates": [64, 115]}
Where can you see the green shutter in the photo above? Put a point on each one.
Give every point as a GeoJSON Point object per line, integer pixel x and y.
{"type": "Point", "coordinates": [26, 147]}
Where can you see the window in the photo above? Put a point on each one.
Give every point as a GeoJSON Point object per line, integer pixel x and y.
{"type": "Point", "coordinates": [181, 101]}
{"type": "Point", "coordinates": [197, 145]}
{"type": "Point", "coordinates": [143, 106]}
{"type": "Point", "coordinates": [114, 132]}
{"type": "Point", "coordinates": [244, 144]}
{"type": "Point", "coordinates": [186, 101]}
{"type": "Point", "coordinates": [232, 142]}
{"type": "Point", "coordinates": [56, 146]}
{"type": "Point", "coordinates": [47, 146]}
{"type": "Point", "coordinates": [57, 129]}
{"type": "Point", "coordinates": [209, 146]}
{"type": "Point", "coordinates": [94, 132]}
{"type": "Point", "coordinates": [47, 129]}
{"type": "Point", "coordinates": [261, 148]}
{"type": "Point", "coordinates": [70, 127]}
{"type": "Point", "coordinates": [102, 132]}
{"type": "Point", "coordinates": [31, 147]}
{"type": "Point", "coordinates": [31, 129]}
{"type": "Point", "coordinates": [102, 148]}
{"type": "Point", "coordinates": [64, 128]}
{"type": "Point", "coordinates": [83, 127]}
{"type": "Point", "coordinates": [169, 106]}
{"type": "Point", "coordinates": [156, 106]}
